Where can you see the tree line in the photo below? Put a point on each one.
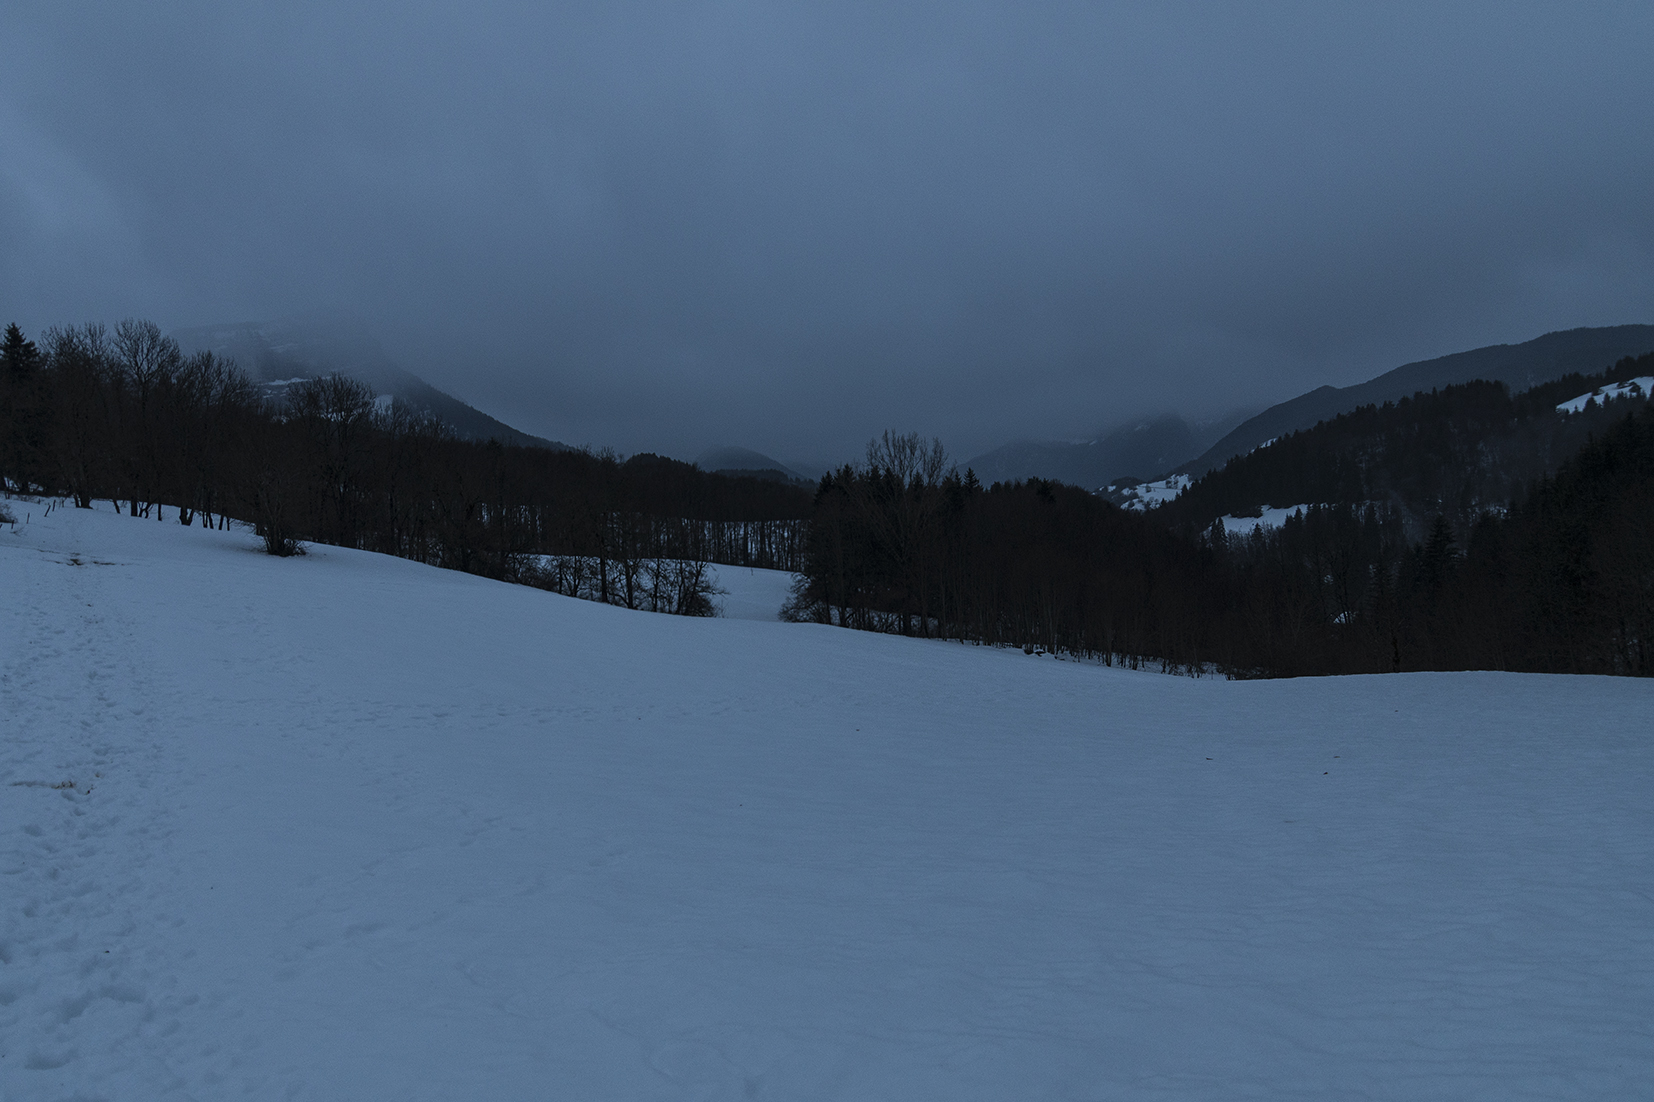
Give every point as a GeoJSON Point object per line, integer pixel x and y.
{"type": "Point", "coordinates": [124, 415]}
{"type": "Point", "coordinates": [1459, 452]}
{"type": "Point", "coordinates": [1560, 580]}
{"type": "Point", "coordinates": [1408, 560]}
{"type": "Point", "coordinates": [904, 543]}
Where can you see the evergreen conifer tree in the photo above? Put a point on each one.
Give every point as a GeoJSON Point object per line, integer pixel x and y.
{"type": "Point", "coordinates": [21, 411]}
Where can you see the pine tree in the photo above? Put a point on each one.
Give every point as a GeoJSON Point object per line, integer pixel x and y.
{"type": "Point", "coordinates": [21, 411]}
{"type": "Point", "coordinates": [1440, 554]}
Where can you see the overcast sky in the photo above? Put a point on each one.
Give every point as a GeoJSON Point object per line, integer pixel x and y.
{"type": "Point", "coordinates": [789, 226]}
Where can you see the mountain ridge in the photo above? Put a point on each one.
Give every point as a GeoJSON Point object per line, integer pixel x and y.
{"type": "Point", "coordinates": [1145, 449]}
{"type": "Point", "coordinates": [745, 461]}
{"type": "Point", "coordinates": [1460, 452]}
{"type": "Point", "coordinates": [274, 351]}
{"type": "Point", "coordinates": [1137, 449]}
{"type": "Point", "coordinates": [1520, 366]}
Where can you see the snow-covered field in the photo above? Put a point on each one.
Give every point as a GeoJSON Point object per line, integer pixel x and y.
{"type": "Point", "coordinates": [740, 592]}
{"type": "Point", "coordinates": [346, 827]}
{"type": "Point", "coordinates": [751, 594]}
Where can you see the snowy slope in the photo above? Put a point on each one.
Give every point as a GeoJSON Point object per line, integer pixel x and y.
{"type": "Point", "coordinates": [1270, 517]}
{"type": "Point", "coordinates": [1151, 495]}
{"type": "Point", "coordinates": [1640, 387]}
{"type": "Point", "coordinates": [346, 827]}
{"type": "Point", "coordinates": [750, 593]}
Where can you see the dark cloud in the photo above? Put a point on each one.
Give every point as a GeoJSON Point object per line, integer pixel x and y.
{"type": "Point", "coordinates": [675, 226]}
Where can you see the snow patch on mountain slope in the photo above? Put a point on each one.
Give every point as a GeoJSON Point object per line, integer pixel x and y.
{"type": "Point", "coordinates": [1640, 387]}
{"type": "Point", "coordinates": [1151, 495]}
{"type": "Point", "coordinates": [344, 826]}
{"type": "Point", "coordinates": [1271, 518]}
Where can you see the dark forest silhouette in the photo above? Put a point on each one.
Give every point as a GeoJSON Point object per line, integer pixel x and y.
{"type": "Point", "coordinates": [1448, 533]}
{"type": "Point", "coordinates": [124, 416]}
{"type": "Point", "coordinates": [1461, 529]}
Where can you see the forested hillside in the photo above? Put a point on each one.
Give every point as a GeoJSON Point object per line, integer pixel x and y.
{"type": "Point", "coordinates": [1519, 366]}
{"type": "Point", "coordinates": [1457, 452]}
{"type": "Point", "coordinates": [903, 543]}
{"type": "Point", "coordinates": [275, 353]}
{"type": "Point", "coordinates": [1561, 580]}
{"type": "Point", "coordinates": [1459, 529]}
{"type": "Point", "coordinates": [126, 416]}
